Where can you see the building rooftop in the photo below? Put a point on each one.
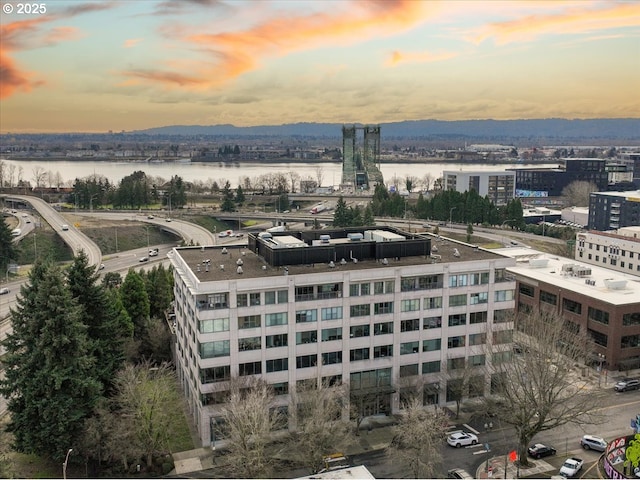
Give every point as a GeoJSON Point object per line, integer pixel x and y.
{"type": "Point", "coordinates": [607, 285]}
{"type": "Point", "coordinates": [631, 195]}
{"type": "Point", "coordinates": [214, 263]}
{"type": "Point", "coordinates": [631, 234]}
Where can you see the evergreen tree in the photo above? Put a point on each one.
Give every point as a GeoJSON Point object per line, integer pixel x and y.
{"type": "Point", "coordinates": [136, 303]}
{"type": "Point", "coordinates": [227, 199]}
{"type": "Point", "coordinates": [50, 378]}
{"type": "Point", "coordinates": [103, 319]}
{"type": "Point", "coordinates": [368, 219]}
{"type": "Point", "coordinates": [341, 217]}
{"type": "Point", "coordinates": [240, 197]}
{"type": "Point", "coordinates": [8, 250]}
{"type": "Point", "coordinates": [159, 285]}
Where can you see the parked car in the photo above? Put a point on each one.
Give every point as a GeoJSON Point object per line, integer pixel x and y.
{"type": "Point", "coordinates": [459, 473]}
{"type": "Point", "coordinates": [626, 384]}
{"type": "Point", "coordinates": [460, 439]}
{"type": "Point", "coordinates": [4, 291]}
{"type": "Point", "coordinates": [591, 442]}
{"type": "Point", "coordinates": [150, 217]}
{"type": "Point", "coordinates": [540, 450]}
{"type": "Point", "coordinates": [571, 467]}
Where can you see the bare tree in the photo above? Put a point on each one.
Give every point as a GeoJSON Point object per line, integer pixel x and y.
{"type": "Point", "coordinates": [147, 397]}
{"type": "Point", "coordinates": [3, 172]}
{"type": "Point", "coordinates": [320, 429]}
{"type": "Point", "coordinates": [577, 193]}
{"type": "Point", "coordinates": [320, 175]}
{"type": "Point", "coordinates": [410, 182]}
{"type": "Point", "coordinates": [295, 178]}
{"type": "Point", "coordinates": [417, 439]}
{"type": "Point", "coordinates": [427, 180]}
{"type": "Point", "coordinates": [39, 175]}
{"type": "Point", "coordinates": [12, 173]}
{"type": "Point", "coordinates": [540, 387]}
{"type": "Point", "coordinates": [250, 421]}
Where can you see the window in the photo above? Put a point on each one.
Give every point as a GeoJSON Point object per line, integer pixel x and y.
{"type": "Point", "coordinates": [329, 334]}
{"type": "Point", "coordinates": [213, 326]}
{"type": "Point", "coordinates": [370, 379]}
{"type": "Point", "coordinates": [215, 374]}
{"type": "Point", "coordinates": [410, 305]}
{"type": "Point", "coordinates": [219, 300]}
{"type": "Point", "coordinates": [502, 316]}
{"type": "Point", "coordinates": [478, 317]}
{"type": "Point", "coordinates": [273, 319]}
{"type": "Point", "coordinates": [477, 298]}
{"type": "Point", "coordinates": [481, 278]}
{"type": "Point", "coordinates": [630, 341]}
{"type": "Point", "coordinates": [455, 342]}
{"type": "Point", "coordinates": [571, 306]}
{"type": "Point", "coordinates": [457, 300]}
{"type": "Point", "coordinates": [629, 319]}
{"type": "Point", "coordinates": [427, 282]}
{"type": "Point", "coordinates": [360, 310]}
{"type": "Point", "coordinates": [303, 316]}
{"type": "Point", "coordinates": [527, 290]}
{"type": "Point", "coordinates": [387, 286]}
{"type": "Point", "coordinates": [251, 368]}
{"type": "Point", "coordinates": [457, 319]}
{"type": "Point", "coordinates": [359, 354]}
{"type": "Point", "coordinates": [383, 328]}
{"type": "Point", "coordinates": [331, 358]}
{"type": "Point", "coordinates": [477, 338]}
{"type": "Point", "coordinates": [304, 293]}
{"type": "Point", "coordinates": [431, 345]}
{"type": "Point", "coordinates": [409, 347]}
{"type": "Point", "coordinates": [599, 338]}
{"type": "Point", "coordinates": [409, 370]}
{"type": "Point", "coordinates": [306, 337]}
{"type": "Point", "coordinates": [359, 289]}
{"type": "Point", "coordinates": [382, 308]}
{"type": "Point", "coordinates": [331, 313]}
{"type": "Point", "coordinates": [548, 297]}
{"type": "Point", "coordinates": [432, 302]}
{"type": "Point", "coordinates": [383, 351]}
{"type": "Point", "coordinates": [249, 343]}
{"type": "Point", "coordinates": [503, 295]}
{"type": "Point", "coordinates": [332, 380]}
{"type": "Point", "coordinates": [457, 363]}
{"type": "Point", "coordinates": [254, 299]}
{"type": "Point", "coordinates": [277, 365]}
{"type": "Point", "coordinates": [501, 275]}
{"type": "Point", "coordinates": [359, 331]}
{"type": "Point", "coordinates": [599, 316]}
{"type": "Point", "coordinates": [458, 280]}
{"type": "Point", "coordinates": [306, 361]}
{"type": "Point", "coordinates": [477, 360]}
{"type": "Point", "coordinates": [501, 357]}
{"type": "Point", "coordinates": [280, 388]}
{"type": "Point", "coordinates": [250, 321]}
{"type": "Point", "coordinates": [431, 367]}
{"type": "Point", "coordinates": [215, 349]}
{"type": "Point", "coordinates": [274, 341]}
{"type": "Point", "coordinates": [242, 300]}
{"type": "Point", "coordinates": [276, 296]}
{"type": "Point", "coordinates": [502, 336]}
{"type": "Point", "coordinates": [431, 322]}
{"type": "Point", "coordinates": [410, 325]}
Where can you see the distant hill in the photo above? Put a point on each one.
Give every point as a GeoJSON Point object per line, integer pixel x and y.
{"type": "Point", "coordinates": [553, 130]}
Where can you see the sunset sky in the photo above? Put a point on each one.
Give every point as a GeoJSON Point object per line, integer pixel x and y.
{"type": "Point", "coordinates": [135, 64]}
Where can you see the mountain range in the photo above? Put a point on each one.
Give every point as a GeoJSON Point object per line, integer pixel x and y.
{"type": "Point", "coordinates": [550, 129]}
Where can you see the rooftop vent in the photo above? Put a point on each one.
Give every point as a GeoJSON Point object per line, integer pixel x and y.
{"type": "Point", "coordinates": [612, 284]}
{"type": "Point", "coordinates": [202, 248]}
{"type": "Point", "coordinates": [331, 264]}
{"type": "Point", "coordinates": [434, 248]}
{"type": "Point", "coordinates": [224, 250]}
{"type": "Point", "coordinates": [343, 261]}
{"type": "Point", "coordinates": [385, 261]}
{"type": "Point", "coordinates": [239, 270]}
{"type": "Point", "coordinates": [222, 267]}
{"type": "Point", "coordinates": [239, 262]}
{"type": "Point", "coordinates": [264, 267]}
{"type": "Point", "coordinates": [456, 253]}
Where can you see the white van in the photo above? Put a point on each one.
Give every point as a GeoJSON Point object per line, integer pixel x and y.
{"type": "Point", "coordinates": [16, 232]}
{"type": "Point", "coordinates": [65, 227]}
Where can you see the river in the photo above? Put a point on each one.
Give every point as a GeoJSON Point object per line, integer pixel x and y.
{"type": "Point", "coordinates": [331, 172]}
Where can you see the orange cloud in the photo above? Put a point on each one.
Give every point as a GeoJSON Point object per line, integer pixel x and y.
{"type": "Point", "coordinates": [132, 42]}
{"type": "Point", "coordinates": [573, 21]}
{"type": "Point", "coordinates": [236, 53]}
{"type": "Point", "coordinates": [397, 57]}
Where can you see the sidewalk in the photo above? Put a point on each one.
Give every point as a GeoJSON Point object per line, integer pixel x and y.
{"type": "Point", "coordinates": [497, 469]}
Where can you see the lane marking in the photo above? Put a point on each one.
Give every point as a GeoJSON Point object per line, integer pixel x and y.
{"type": "Point", "coordinates": [470, 428]}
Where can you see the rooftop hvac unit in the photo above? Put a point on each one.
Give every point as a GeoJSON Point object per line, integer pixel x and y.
{"type": "Point", "coordinates": [612, 284]}
{"type": "Point", "coordinates": [355, 237]}
{"type": "Point", "coordinates": [538, 262]}
{"type": "Point", "coordinates": [325, 238]}
{"type": "Point", "coordinates": [239, 270]}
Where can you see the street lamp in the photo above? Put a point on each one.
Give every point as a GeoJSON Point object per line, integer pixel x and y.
{"type": "Point", "coordinates": [451, 215]}
{"type": "Point", "coordinates": [601, 359]}
{"type": "Point", "coordinates": [64, 465]}
{"type": "Point", "coordinates": [95, 195]}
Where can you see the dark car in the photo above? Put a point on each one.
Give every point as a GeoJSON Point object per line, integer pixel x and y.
{"type": "Point", "coordinates": [626, 384]}
{"type": "Point", "coordinates": [539, 450]}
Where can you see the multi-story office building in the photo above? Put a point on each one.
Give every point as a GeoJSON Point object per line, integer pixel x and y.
{"type": "Point", "coordinates": [549, 182]}
{"type": "Point", "coordinates": [380, 310]}
{"type": "Point", "coordinates": [603, 303]}
{"type": "Point", "coordinates": [617, 250]}
{"type": "Point", "coordinates": [613, 210]}
{"type": "Point", "coordinates": [499, 186]}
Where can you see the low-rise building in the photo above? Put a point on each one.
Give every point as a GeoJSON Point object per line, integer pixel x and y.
{"type": "Point", "coordinates": [617, 250]}
{"type": "Point", "coordinates": [498, 186]}
{"type": "Point", "coordinates": [383, 311]}
{"type": "Point", "coordinates": [612, 210]}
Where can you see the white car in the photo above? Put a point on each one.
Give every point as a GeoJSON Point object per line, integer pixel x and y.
{"type": "Point", "coordinates": [462, 439]}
